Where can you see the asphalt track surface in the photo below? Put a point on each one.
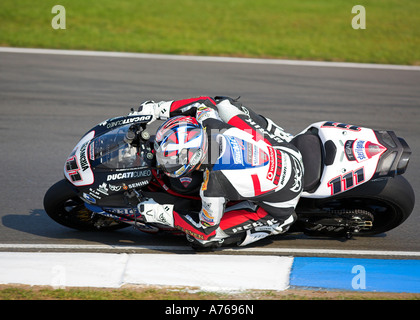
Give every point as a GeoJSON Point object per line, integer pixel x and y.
{"type": "Point", "coordinates": [47, 102]}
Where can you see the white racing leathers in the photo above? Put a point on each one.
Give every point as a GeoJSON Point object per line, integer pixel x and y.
{"type": "Point", "coordinates": [252, 176]}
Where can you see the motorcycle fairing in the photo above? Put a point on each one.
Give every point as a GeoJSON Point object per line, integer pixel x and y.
{"type": "Point", "coordinates": [350, 157]}
{"type": "Point", "coordinates": [77, 168]}
{"type": "Point", "coordinates": [104, 163]}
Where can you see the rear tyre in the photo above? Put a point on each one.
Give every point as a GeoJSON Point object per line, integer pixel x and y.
{"type": "Point", "coordinates": [389, 200]}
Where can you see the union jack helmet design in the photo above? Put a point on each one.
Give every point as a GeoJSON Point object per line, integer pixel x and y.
{"type": "Point", "coordinates": [180, 145]}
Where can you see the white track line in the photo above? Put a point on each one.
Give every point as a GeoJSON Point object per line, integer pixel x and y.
{"type": "Point", "coordinates": [289, 251]}
{"type": "Point", "coordinates": [329, 252]}
{"type": "Point", "coordinates": [209, 59]}
{"type": "Point", "coordinates": [99, 247]}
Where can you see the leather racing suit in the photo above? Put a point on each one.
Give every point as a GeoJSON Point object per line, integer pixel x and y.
{"type": "Point", "coordinates": [250, 163]}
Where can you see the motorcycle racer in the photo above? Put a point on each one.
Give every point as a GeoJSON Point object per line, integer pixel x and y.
{"type": "Point", "coordinates": [244, 157]}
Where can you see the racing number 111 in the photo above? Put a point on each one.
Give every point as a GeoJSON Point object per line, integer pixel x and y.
{"type": "Point", "coordinates": [346, 181]}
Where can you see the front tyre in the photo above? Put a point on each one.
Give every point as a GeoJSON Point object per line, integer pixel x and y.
{"type": "Point", "coordinates": [62, 204]}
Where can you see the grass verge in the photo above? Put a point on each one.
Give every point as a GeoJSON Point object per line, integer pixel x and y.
{"type": "Point", "coordinates": [22, 292]}
{"type": "Point", "coordinates": [306, 29]}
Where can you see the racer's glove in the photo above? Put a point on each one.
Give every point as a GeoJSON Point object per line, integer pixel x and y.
{"type": "Point", "coordinates": [204, 112]}
{"type": "Point", "coordinates": [154, 212]}
{"type": "Point", "coordinates": [159, 110]}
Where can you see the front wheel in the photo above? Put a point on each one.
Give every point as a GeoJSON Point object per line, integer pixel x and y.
{"type": "Point", "coordinates": [63, 205]}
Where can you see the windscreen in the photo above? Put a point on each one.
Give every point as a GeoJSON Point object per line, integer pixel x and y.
{"type": "Point", "coordinates": [110, 150]}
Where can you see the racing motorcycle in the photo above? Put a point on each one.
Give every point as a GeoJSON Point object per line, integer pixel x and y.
{"type": "Point", "coordinates": [353, 183]}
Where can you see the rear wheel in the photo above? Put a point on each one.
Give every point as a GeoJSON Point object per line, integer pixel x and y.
{"type": "Point", "coordinates": [388, 201]}
{"type": "Point", "coordinates": [63, 205]}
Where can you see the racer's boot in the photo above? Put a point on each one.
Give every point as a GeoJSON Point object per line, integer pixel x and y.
{"type": "Point", "coordinates": [229, 108]}
{"type": "Point", "coordinates": [262, 232]}
{"type": "Point", "coordinates": [204, 245]}
{"type": "Point", "coordinates": [277, 131]}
